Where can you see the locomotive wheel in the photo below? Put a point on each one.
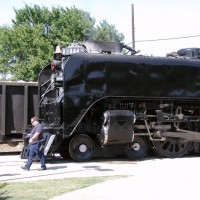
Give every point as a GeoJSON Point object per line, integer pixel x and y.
{"type": "Point", "coordinates": [81, 148]}
{"type": "Point", "coordinates": [171, 148]}
{"type": "Point", "coordinates": [64, 150]}
{"type": "Point", "coordinates": [137, 149]}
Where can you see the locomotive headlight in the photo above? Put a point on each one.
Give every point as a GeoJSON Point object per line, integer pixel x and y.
{"type": "Point", "coordinates": [53, 66]}
{"type": "Point", "coordinates": [56, 65]}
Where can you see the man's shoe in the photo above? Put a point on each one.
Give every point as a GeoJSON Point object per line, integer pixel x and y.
{"type": "Point", "coordinates": [24, 168]}
{"type": "Point", "coordinates": [42, 168]}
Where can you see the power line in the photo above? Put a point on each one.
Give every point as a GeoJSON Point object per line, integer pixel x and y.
{"type": "Point", "coordinates": [175, 38]}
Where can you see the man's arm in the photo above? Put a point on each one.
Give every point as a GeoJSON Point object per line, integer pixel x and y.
{"type": "Point", "coordinates": [34, 137]}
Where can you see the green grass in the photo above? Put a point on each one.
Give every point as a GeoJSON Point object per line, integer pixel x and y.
{"type": "Point", "coordinates": [47, 189]}
{"type": "Point", "coordinates": [2, 185]}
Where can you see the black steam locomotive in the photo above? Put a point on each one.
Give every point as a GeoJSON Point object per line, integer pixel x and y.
{"type": "Point", "coordinates": [93, 98]}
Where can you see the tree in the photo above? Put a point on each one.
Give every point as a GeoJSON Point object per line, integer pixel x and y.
{"type": "Point", "coordinates": [60, 25]}
{"type": "Point", "coordinates": [108, 32]}
{"type": "Point", "coordinates": [30, 52]}
{"type": "Point", "coordinates": [5, 47]}
{"type": "Point", "coordinates": [38, 30]}
{"type": "Point", "coordinates": [35, 32]}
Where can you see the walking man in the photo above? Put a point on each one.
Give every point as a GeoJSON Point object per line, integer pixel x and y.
{"type": "Point", "coordinates": [36, 145]}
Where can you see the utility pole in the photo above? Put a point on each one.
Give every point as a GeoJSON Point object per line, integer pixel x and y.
{"type": "Point", "coordinates": [133, 28]}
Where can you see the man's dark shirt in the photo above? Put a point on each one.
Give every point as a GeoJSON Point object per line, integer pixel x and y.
{"type": "Point", "coordinates": [38, 128]}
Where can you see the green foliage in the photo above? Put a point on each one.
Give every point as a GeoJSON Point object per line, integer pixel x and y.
{"type": "Point", "coordinates": [31, 51]}
{"type": "Point", "coordinates": [28, 45]}
{"type": "Point", "coordinates": [60, 25]}
{"type": "Point", "coordinates": [5, 48]}
{"type": "Point", "coordinates": [2, 185]}
{"type": "Point", "coordinates": [2, 191]}
{"type": "Point", "coordinates": [107, 32]}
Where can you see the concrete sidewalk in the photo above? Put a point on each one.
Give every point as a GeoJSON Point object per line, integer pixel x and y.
{"type": "Point", "coordinates": [112, 190]}
{"type": "Point", "coordinates": [149, 179]}
{"type": "Point", "coordinates": [143, 188]}
{"type": "Point", "coordinates": [57, 168]}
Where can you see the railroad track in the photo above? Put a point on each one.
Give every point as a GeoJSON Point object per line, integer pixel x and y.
{"type": "Point", "coordinates": [5, 148]}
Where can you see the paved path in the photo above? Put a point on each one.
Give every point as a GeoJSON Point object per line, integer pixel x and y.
{"type": "Point", "coordinates": [57, 168]}
{"type": "Point", "coordinates": [150, 179]}
{"type": "Point", "coordinates": [167, 179]}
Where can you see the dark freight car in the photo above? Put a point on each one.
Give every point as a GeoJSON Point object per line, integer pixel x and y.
{"type": "Point", "coordinates": [18, 103]}
{"type": "Point", "coordinates": [105, 100]}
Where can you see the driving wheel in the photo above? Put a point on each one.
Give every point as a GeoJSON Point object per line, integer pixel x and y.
{"type": "Point", "coordinates": [137, 149]}
{"type": "Point", "coordinates": [171, 148]}
{"type": "Point", "coordinates": [81, 148]}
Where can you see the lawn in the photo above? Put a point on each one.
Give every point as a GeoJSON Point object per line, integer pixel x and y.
{"type": "Point", "coordinates": [47, 189]}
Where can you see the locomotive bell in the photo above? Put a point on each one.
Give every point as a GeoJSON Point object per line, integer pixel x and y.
{"type": "Point", "coordinates": [58, 53]}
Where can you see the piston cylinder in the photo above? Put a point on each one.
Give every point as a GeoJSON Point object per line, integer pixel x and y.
{"type": "Point", "coordinates": [117, 127]}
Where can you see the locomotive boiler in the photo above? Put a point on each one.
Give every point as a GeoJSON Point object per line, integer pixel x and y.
{"type": "Point", "coordinates": [94, 98]}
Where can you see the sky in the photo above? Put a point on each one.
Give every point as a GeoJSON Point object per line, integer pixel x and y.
{"type": "Point", "coordinates": [153, 20]}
